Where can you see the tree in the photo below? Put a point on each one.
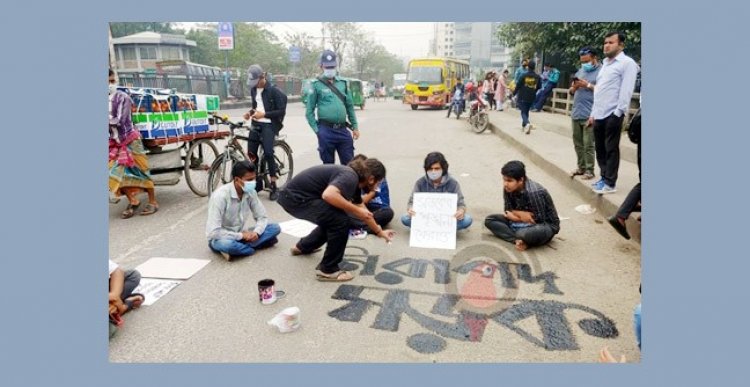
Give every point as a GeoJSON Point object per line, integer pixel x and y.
{"type": "Point", "coordinates": [565, 39]}
{"type": "Point", "coordinates": [128, 28]}
{"type": "Point", "coordinates": [310, 50]}
{"type": "Point", "coordinates": [340, 36]}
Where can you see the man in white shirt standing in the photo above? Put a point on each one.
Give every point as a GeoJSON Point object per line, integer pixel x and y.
{"type": "Point", "coordinates": [612, 93]}
{"type": "Point", "coordinates": [229, 229]}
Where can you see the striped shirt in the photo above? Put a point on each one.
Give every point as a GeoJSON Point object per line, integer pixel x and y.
{"type": "Point", "coordinates": [535, 199]}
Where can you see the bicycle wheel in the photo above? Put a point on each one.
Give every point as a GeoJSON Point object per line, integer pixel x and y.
{"type": "Point", "coordinates": [481, 122]}
{"type": "Point", "coordinates": [221, 170]}
{"type": "Point", "coordinates": [198, 160]}
{"type": "Point", "coordinates": [282, 153]}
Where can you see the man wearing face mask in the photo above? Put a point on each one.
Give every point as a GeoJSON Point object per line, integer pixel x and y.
{"type": "Point", "coordinates": [229, 229]}
{"type": "Point", "coordinates": [437, 179]}
{"type": "Point", "coordinates": [334, 104]}
{"type": "Point", "coordinates": [582, 88]}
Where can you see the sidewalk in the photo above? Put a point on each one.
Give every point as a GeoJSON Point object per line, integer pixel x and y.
{"type": "Point", "coordinates": [550, 145]}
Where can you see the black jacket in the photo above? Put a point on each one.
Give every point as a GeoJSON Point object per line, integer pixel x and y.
{"type": "Point", "coordinates": [275, 103]}
{"type": "Point", "coordinates": [527, 86]}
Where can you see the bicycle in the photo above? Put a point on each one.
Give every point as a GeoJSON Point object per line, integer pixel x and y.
{"type": "Point", "coordinates": [221, 169]}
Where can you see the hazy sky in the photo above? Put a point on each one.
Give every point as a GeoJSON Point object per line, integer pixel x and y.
{"type": "Point", "coordinates": [402, 39]}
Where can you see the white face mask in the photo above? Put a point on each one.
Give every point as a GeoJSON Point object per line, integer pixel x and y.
{"type": "Point", "coordinates": [434, 175]}
{"type": "Point", "coordinates": [112, 88]}
{"type": "Point", "coordinates": [329, 73]}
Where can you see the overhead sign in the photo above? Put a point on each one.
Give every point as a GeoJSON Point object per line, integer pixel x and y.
{"type": "Point", "coordinates": [294, 54]}
{"type": "Point", "coordinates": [226, 36]}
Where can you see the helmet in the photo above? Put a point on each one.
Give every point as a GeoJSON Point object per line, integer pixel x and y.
{"type": "Point", "coordinates": [469, 86]}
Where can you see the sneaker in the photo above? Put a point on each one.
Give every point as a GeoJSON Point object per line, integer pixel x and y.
{"type": "Point", "coordinates": [596, 183]}
{"type": "Point", "coordinates": [527, 129]}
{"type": "Point", "coordinates": [357, 234]}
{"type": "Point", "coordinates": [605, 189]}
{"type": "Point", "coordinates": [619, 227]}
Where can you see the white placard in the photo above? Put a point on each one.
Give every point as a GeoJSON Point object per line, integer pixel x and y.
{"type": "Point", "coordinates": [297, 227]}
{"type": "Point", "coordinates": [171, 268]}
{"type": "Point", "coordinates": [434, 225]}
{"type": "Point", "coordinates": [153, 289]}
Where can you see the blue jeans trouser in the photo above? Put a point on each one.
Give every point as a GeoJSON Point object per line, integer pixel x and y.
{"type": "Point", "coordinates": [460, 224]}
{"type": "Point", "coordinates": [525, 107]}
{"type": "Point", "coordinates": [543, 94]}
{"type": "Point", "coordinates": [242, 248]}
{"type": "Point", "coordinates": [332, 140]}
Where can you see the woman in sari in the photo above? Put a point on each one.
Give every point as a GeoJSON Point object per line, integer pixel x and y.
{"type": "Point", "coordinates": [128, 164]}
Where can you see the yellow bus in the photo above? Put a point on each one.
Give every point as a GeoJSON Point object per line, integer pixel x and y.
{"type": "Point", "coordinates": [429, 81]}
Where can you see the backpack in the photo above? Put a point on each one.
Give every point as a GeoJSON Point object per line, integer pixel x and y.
{"type": "Point", "coordinates": [634, 127]}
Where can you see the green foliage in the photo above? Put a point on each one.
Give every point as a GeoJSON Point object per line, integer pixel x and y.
{"type": "Point", "coordinates": [310, 51]}
{"type": "Point", "coordinates": [563, 40]}
{"type": "Point", "coordinates": [339, 36]}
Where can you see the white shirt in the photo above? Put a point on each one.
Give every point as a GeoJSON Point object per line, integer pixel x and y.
{"type": "Point", "coordinates": [614, 86]}
{"type": "Point", "coordinates": [112, 267]}
{"type": "Point", "coordinates": [260, 107]}
{"type": "Point", "coordinates": [228, 216]}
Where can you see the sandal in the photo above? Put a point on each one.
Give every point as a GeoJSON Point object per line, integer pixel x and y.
{"type": "Point", "coordinates": [339, 276]}
{"type": "Point", "coordinates": [134, 301]}
{"type": "Point", "coordinates": [149, 209]}
{"type": "Point", "coordinates": [130, 211]}
{"type": "Point", "coordinates": [576, 172]}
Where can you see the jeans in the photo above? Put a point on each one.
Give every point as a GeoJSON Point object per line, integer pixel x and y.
{"type": "Point", "coordinates": [242, 248]}
{"type": "Point", "coordinates": [583, 142]}
{"type": "Point", "coordinates": [524, 106]}
{"type": "Point", "coordinates": [132, 279]}
{"type": "Point", "coordinates": [637, 324]}
{"type": "Point", "coordinates": [263, 133]}
{"type": "Point", "coordinates": [332, 140]}
{"type": "Point", "coordinates": [607, 142]}
{"type": "Point", "coordinates": [534, 235]}
{"type": "Point", "coordinates": [543, 94]}
{"type": "Point", "coordinates": [382, 216]}
{"type": "Point", "coordinates": [460, 224]}
{"type": "Point", "coordinates": [333, 229]}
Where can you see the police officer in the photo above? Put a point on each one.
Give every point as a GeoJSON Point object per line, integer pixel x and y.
{"type": "Point", "coordinates": [333, 100]}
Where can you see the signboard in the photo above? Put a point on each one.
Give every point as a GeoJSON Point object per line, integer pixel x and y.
{"type": "Point", "coordinates": [226, 36]}
{"type": "Point", "coordinates": [434, 224]}
{"type": "Point", "coordinates": [294, 54]}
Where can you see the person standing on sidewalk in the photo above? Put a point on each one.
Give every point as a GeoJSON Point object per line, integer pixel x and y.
{"type": "Point", "coordinates": [633, 201]}
{"type": "Point", "coordinates": [331, 97]}
{"type": "Point", "coordinates": [488, 88]}
{"type": "Point", "coordinates": [268, 111]}
{"type": "Point", "coordinates": [553, 76]}
{"type": "Point", "coordinates": [614, 89]}
{"type": "Point", "coordinates": [530, 218]}
{"type": "Point", "coordinates": [500, 90]}
{"type": "Point", "coordinates": [582, 89]}
{"type": "Point", "coordinates": [526, 89]}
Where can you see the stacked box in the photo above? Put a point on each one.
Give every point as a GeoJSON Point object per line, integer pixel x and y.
{"type": "Point", "coordinates": [207, 102]}
{"type": "Point", "coordinates": [194, 121]}
{"type": "Point", "coordinates": [183, 102]}
{"type": "Point", "coordinates": [165, 125]}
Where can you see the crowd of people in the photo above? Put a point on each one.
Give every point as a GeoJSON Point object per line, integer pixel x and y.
{"type": "Point", "coordinates": [351, 199]}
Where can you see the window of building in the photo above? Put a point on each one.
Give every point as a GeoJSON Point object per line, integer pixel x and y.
{"type": "Point", "coordinates": [128, 53]}
{"type": "Point", "coordinates": [148, 52]}
{"type": "Point", "coordinates": [170, 52]}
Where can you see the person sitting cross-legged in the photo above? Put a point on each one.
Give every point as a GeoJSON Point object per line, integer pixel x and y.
{"type": "Point", "coordinates": [530, 217]}
{"type": "Point", "coordinates": [229, 228]}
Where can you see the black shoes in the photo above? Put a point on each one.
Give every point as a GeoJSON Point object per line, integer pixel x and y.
{"type": "Point", "coordinates": [619, 227]}
{"type": "Point", "coordinates": [274, 192]}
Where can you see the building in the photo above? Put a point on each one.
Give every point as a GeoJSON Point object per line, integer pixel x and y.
{"type": "Point", "coordinates": [475, 43]}
{"type": "Point", "coordinates": [139, 53]}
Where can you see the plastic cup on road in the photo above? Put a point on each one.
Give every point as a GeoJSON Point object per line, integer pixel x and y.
{"type": "Point", "coordinates": [267, 291]}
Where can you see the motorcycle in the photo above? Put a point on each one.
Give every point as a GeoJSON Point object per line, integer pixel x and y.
{"type": "Point", "coordinates": [457, 104]}
{"type": "Point", "coordinates": [478, 117]}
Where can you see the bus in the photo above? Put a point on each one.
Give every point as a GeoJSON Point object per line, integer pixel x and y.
{"type": "Point", "coordinates": [182, 67]}
{"type": "Point", "coordinates": [429, 81]}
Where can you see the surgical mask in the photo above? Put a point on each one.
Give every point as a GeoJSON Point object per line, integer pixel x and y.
{"type": "Point", "coordinates": [329, 73]}
{"type": "Point", "coordinates": [588, 67]}
{"type": "Point", "coordinates": [434, 175]}
{"type": "Point", "coordinates": [248, 187]}
{"type": "Point", "coordinates": [112, 88]}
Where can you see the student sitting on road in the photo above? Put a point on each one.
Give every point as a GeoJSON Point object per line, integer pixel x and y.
{"type": "Point", "coordinates": [436, 179]}
{"type": "Point", "coordinates": [228, 229]}
{"type": "Point", "coordinates": [378, 201]}
{"type": "Point", "coordinates": [121, 296]}
{"type": "Point", "coordinates": [530, 217]}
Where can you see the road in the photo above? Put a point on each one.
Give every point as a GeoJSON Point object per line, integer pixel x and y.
{"type": "Point", "coordinates": [560, 303]}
